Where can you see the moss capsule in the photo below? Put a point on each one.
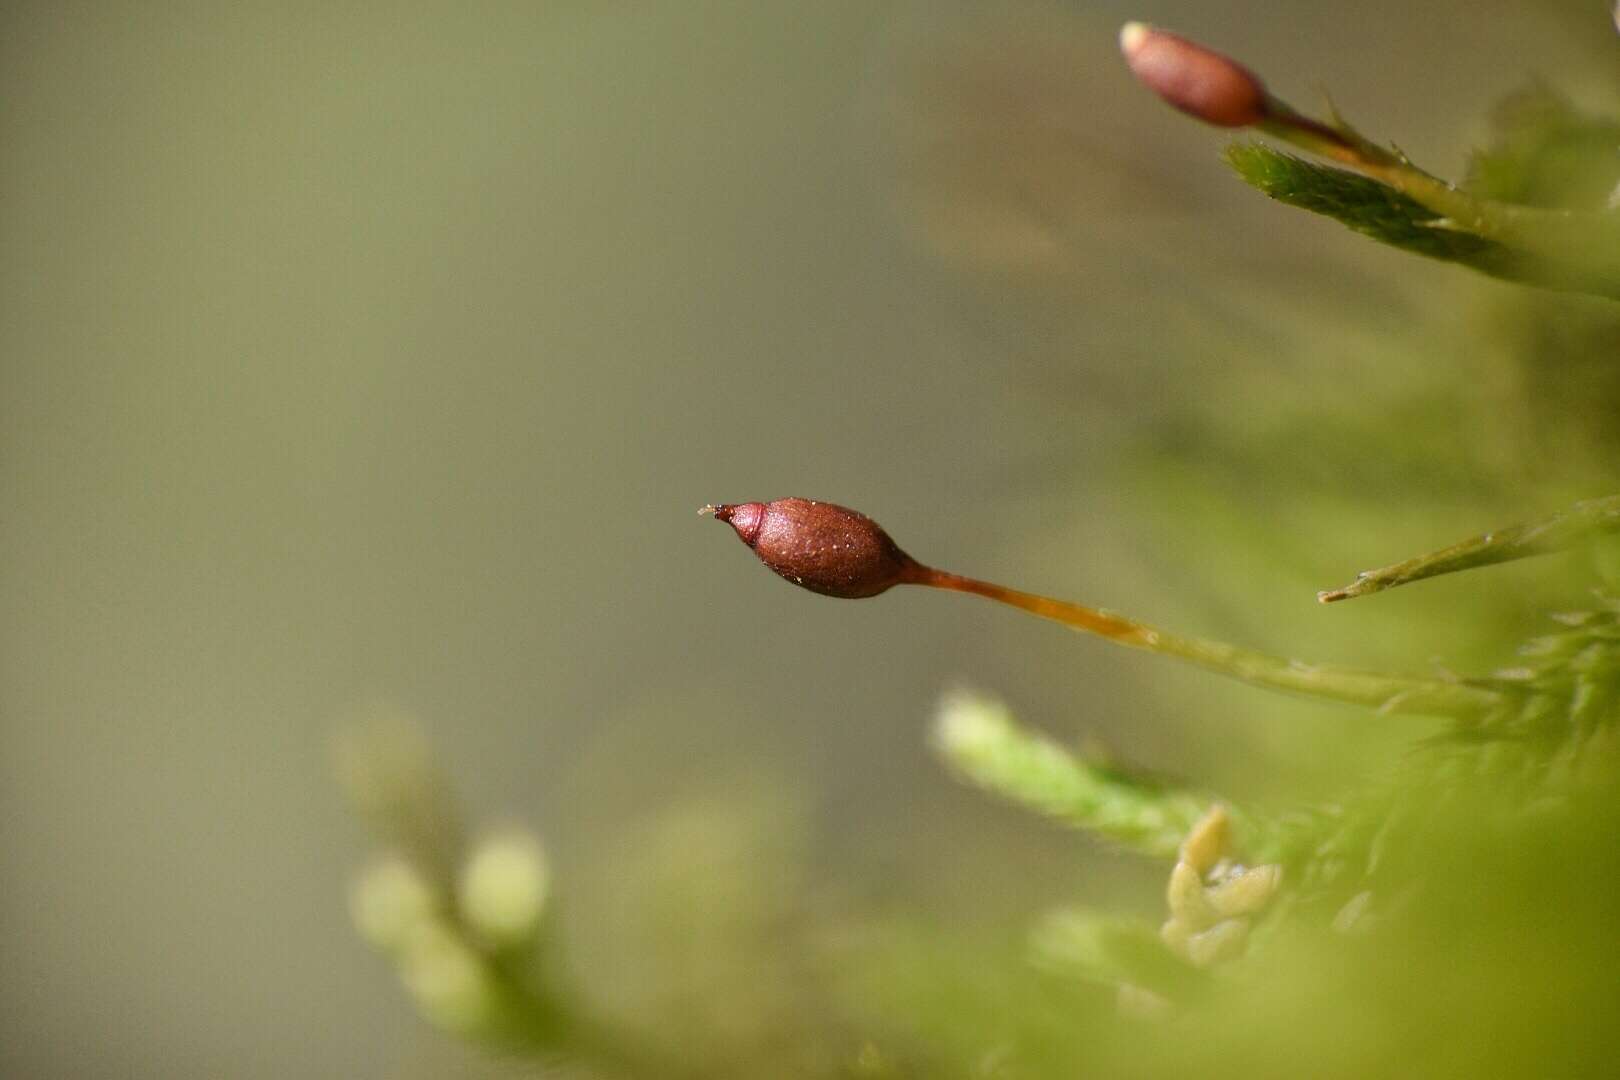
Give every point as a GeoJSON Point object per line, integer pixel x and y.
{"type": "Point", "coordinates": [1198, 81]}
{"type": "Point", "coordinates": [826, 548]}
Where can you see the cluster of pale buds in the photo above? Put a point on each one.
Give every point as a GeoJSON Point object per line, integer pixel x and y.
{"type": "Point", "coordinates": [1212, 897]}
{"type": "Point", "coordinates": [448, 949]}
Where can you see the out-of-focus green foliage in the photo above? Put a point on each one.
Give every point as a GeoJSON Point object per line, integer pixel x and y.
{"type": "Point", "coordinates": [979, 738]}
{"type": "Point", "coordinates": [1545, 152]}
{"type": "Point", "coordinates": [1538, 207]}
{"type": "Point", "coordinates": [1365, 205]}
{"type": "Point", "coordinates": [1446, 913]}
{"type": "Point", "coordinates": [1392, 217]}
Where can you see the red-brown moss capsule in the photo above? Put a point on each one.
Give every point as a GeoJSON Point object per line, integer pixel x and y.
{"type": "Point", "coordinates": [1198, 81]}
{"type": "Point", "coordinates": [838, 552]}
{"type": "Point", "coordinates": [825, 548]}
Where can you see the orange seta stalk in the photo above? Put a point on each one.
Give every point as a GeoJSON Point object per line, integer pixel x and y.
{"type": "Point", "coordinates": [1092, 620]}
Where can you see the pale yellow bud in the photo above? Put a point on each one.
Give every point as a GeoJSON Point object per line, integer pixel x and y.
{"type": "Point", "coordinates": [502, 890]}
{"type": "Point", "coordinates": [1175, 933]}
{"type": "Point", "coordinates": [1245, 891]}
{"type": "Point", "coordinates": [387, 900]}
{"type": "Point", "coordinates": [1185, 897]}
{"type": "Point", "coordinates": [448, 980]}
{"type": "Point", "coordinates": [1223, 941]}
{"type": "Point", "coordinates": [1207, 840]}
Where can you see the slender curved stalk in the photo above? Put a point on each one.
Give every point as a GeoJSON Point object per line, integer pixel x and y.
{"type": "Point", "coordinates": [1387, 693]}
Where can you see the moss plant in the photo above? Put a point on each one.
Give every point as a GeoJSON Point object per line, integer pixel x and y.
{"type": "Point", "coordinates": [1449, 915]}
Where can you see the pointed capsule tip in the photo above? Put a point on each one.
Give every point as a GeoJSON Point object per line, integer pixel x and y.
{"type": "Point", "coordinates": [1132, 35]}
{"type": "Point", "coordinates": [743, 517]}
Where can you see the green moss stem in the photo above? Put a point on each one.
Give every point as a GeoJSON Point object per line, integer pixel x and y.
{"type": "Point", "coordinates": [1387, 693]}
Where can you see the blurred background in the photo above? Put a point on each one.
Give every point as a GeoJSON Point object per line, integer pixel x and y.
{"type": "Point", "coordinates": [361, 358]}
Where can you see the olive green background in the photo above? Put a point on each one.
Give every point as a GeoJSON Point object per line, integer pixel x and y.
{"type": "Point", "coordinates": [356, 354]}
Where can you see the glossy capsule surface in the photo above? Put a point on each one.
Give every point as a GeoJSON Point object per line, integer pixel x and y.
{"type": "Point", "coordinates": [821, 546]}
